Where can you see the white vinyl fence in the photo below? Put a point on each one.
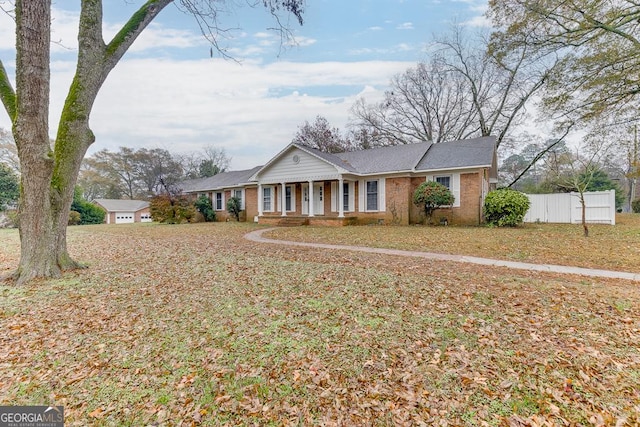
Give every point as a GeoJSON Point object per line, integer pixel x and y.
{"type": "Point", "coordinates": [566, 207]}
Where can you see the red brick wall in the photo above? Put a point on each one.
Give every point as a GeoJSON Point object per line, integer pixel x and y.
{"type": "Point", "coordinates": [398, 200]}
{"type": "Point", "coordinates": [470, 192]}
{"type": "Point", "coordinates": [251, 203]}
{"type": "Point", "coordinates": [469, 211]}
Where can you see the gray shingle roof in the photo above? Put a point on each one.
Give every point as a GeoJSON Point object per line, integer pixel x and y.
{"type": "Point", "coordinates": [218, 181]}
{"type": "Point", "coordinates": [459, 154]}
{"type": "Point", "coordinates": [420, 157]}
{"type": "Point", "coordinates": [386, 159]}
{"type": "Point", "coordinates": [115, 205]}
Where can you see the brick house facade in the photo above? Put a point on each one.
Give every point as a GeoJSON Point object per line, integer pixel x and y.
{"type": "Point", "coordinates": [301, 185]}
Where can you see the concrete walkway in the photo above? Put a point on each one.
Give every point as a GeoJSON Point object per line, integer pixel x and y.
{"type": "Point", "coordinates": [256, 236]}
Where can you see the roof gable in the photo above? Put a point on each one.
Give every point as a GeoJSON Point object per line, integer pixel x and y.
{"type": "Point", "coordinates": [476, 152]}
{"type": "Point", "coordinates": [300, 162]}
{"type": "Point", "coordinates": [116, 205]}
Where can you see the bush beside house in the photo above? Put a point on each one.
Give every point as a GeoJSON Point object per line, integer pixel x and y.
{"type": "Point", "coordinates": [234, 207]}
{"type": "Point", "coordinates": [431, 195]}
{"type": "Point", "coordinates": [172, 210]}
{"type": "Point", "coordinates": [505, 207]}
{"type": "Point", "coordinates": [203, 205]}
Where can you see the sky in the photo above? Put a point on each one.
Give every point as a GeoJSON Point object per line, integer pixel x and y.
{"type": "Point", "coordinates": [169, 92]}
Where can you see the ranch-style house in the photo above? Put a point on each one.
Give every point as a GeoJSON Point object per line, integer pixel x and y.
{"type": "Point", "coordinates": [302, 185]}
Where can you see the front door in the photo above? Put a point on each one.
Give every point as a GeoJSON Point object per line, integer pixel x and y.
{"type": "Point", "coordinates": [318, 199]}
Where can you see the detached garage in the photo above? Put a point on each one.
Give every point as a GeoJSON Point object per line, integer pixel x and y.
{"type": "Point", "coordinates": [125, 211]}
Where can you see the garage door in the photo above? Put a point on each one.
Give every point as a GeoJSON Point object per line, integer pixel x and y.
{"type": "Point", "coordinates": [124, 217]}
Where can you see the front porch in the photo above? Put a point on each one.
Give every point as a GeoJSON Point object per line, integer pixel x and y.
{"type": "Point", "coordinates": [299, 220]}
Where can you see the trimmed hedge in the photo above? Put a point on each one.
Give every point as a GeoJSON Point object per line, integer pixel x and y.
{"type": "Point", "coordinates": [505, 207]}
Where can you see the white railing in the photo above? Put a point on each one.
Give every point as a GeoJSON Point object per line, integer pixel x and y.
{"type": "Point", "coordinates": [566, 207]}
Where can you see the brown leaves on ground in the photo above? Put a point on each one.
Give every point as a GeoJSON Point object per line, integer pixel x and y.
{"type": "Point", "coordinates": [192, 325]}
{"type": "Point", "coordinates": [607, 247]}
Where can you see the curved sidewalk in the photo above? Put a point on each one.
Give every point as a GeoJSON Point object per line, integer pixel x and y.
{"type": "Point", "coordinates": [256, 236]}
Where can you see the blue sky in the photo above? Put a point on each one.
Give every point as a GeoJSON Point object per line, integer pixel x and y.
{"type": "Point", "coordinates": [168, 92]}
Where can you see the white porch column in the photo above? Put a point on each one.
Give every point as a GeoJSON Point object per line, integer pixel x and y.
{"type": "Point", "coordinates": [340, 198]}
{"type": "Point", "coordinates": [311, 198]}
{"type": "Point", "coordinates": [283, 199]}
{"type": "Point", "coordinates": [260, 201]}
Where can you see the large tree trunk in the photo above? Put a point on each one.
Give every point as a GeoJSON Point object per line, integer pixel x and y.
{"type": "Point", "coordinates": [38, 230]}
{"type": "Point", "coordinates": [49, 176]}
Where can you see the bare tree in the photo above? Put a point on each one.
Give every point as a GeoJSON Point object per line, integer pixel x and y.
{"type": "Point", "coordinates": [426, 103]}
{"type": "Point", "coordinates": [465, 90]}
{"type": "Point", "coordinates": [208, 162]}
{"type": "Point", "coordinates": [154, 165]}
{"type": "Point", "coordinates": [320, 135]}
{"type": "Point", "coordinates": [501, 84]}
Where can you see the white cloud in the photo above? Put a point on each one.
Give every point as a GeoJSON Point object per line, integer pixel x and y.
{"type": "Point", "coordinates": [64, 34]}
{"type": "Point", "coordinates": [302, 41]}
{"type": "Point", "coordinates": [376, 28]}
{"type": "Point", "coordinates": [156, 36]}
{"type": "Point", "coordinates": [480, 21]}
{"type": "Point", "coordinates": [400, 47]}
{"type": "Point", "coordinates": [187, 105]}
{"type": "Point", "coordinates": [405, 26]}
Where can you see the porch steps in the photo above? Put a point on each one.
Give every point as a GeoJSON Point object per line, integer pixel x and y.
{"type": "Point", "coordinates": [293, 222]}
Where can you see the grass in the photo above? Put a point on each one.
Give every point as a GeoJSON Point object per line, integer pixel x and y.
{"type": "Point", "coordinates": [607, 247]}
{"type": "Point", "coordinates": [192, 324]}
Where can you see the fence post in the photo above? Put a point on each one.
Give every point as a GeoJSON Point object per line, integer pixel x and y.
{"type": "Point", "coordinates": [612, 203]}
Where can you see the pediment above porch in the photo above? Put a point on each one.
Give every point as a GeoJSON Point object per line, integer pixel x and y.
{"type": "Point", "coordinates": [296, 165]}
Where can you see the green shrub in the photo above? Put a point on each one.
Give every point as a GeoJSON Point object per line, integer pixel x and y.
{"type": "Point", "coordinates": [203, 205]}
{"type": "Point", "coordinates": [505, 207]}
{"type": "Point", "coordinates": [635, 206]}
{"type": "Point", "coordinates": [430, 196]}
{"type": "Point", "coordinates": [74, 218]}
{"type": "Point", "coordinates": [234, 207]}
{"type": "Point", "coordinates": [9, 187]}
{"type": "Point", "coordinates": [89, 213]}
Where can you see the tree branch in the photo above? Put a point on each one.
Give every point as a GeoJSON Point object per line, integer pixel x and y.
{"type": "Point", "coordinates": [131, 30]}
{"type": "Point", "coordinates": [7, 94]}
{"type": "Point", "coordinates": [541, 155]}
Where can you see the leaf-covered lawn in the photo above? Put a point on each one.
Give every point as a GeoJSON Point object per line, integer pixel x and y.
{"type": "Point", "coordinates": [193, 325]}
{"type": "Point", "coordinates": [607, 247]}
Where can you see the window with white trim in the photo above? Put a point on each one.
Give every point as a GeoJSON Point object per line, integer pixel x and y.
{"type": "Point", "coordinates": [345, 196]}
{"type": "Point", "coordinates": [238, 195]}
{"type": "Point", "coordinates": [372, 195]}
{"type": "Point", "coordinates": [267, 199]}
{"type": "Point", "coordinates": [348, 197]}
{"type": "Point", "coordinates": [219, 200]}
{"type": "Point", "coordinates": [444, 180]}
{"type": "Point", "coordinates": [452, 182]}
{"type": "Point", "coordinates": [290, 198]}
